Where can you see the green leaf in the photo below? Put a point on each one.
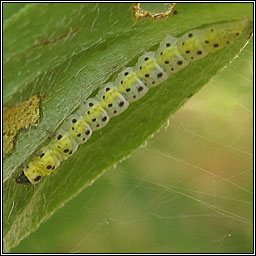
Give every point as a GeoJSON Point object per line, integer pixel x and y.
{"type": "Point", "coordinates": [67, 51]}
{"type": "Point", "coordinates": [10, 9]}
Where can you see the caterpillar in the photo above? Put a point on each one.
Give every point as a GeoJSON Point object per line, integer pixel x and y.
{"type": "Point", "coordinates": [152, 68]}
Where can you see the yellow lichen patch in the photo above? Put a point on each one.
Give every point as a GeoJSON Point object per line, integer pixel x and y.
{"type": "Point", "coordinates": [18, 117]}
{"type": "Point", "coordinates": [140, 13]}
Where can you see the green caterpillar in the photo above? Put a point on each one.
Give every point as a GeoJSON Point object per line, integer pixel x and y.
{"type": "Point", "coordinates": [130, 85]}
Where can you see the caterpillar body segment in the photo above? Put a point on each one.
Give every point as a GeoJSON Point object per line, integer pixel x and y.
{"type": "Point", "coordinates": [94, 114]}
{"type": "Point", "coordinates": [78, 128]}
{"type": "Point", "coordinates": [112, 101]}
{"type": "Point", "coordinates": [149, 72]}
{"type": "Point", "coordinates": [130, 86]}
{"type": "Point", "coordinates": [63, 144]}
{"type": "Point", "coordinates": [168, 56]}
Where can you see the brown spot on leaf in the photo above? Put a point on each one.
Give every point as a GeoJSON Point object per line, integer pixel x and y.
{"type": "Point", "coordinates": [53, 41]}
{"type": "Point", "coordinates": [19, 117]}
{"type": "Point", "coordinates": [140, 13]}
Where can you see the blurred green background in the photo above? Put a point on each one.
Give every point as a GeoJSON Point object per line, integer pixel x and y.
{"type": "Point", "coordinates": [190, 189]}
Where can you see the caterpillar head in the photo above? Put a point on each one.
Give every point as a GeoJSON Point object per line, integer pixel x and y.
{"type": "Point", "coordinates": [31, 174]}
{"type": "Point", "coordinates": [22, 179]}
